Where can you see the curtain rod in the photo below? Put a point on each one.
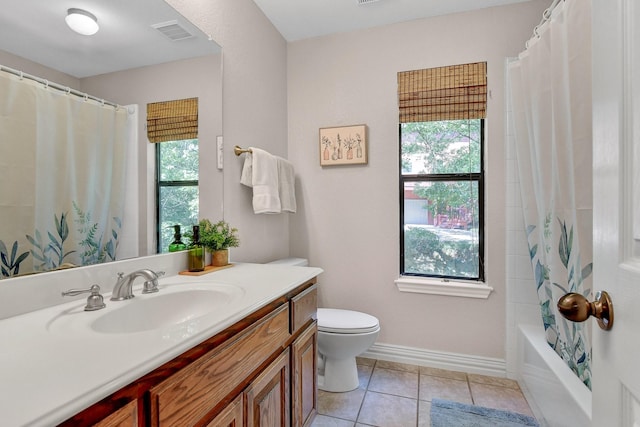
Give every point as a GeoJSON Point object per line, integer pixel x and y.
{"type": "Point", "coordinates": [546, 15]}
{"type": "Point", "coordinates": [65, 89]}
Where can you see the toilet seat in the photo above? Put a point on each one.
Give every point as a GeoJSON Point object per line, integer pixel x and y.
{"type": "Point", "coordinates": [338, 321]}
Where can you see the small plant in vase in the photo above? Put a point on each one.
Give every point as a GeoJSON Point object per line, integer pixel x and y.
{"type": "Point", "coordinates": [218, 238]}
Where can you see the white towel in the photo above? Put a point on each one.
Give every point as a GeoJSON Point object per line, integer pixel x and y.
{"type": "Point", "coordinates": [264, 180]}
{"type": "Point", "coordinates": [246, 178]}
{"type": "Point", "coordinates": [286, 185]}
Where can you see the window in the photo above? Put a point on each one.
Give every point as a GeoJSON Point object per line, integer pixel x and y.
{"type": "Point", "coordinates": [441, 171]}
{"type": "Point", "coordinates": [173, 125]}
{"type": "Point", "coordinates": [177, 188]}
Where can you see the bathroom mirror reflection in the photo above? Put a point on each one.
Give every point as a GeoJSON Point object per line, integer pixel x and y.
{"type": "Point", "coordinates": [143, 52]}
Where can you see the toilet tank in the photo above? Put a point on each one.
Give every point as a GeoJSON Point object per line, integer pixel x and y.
{"type": "Point", "coordinates": [300, 262]}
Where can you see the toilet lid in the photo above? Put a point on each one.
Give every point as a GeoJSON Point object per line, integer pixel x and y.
{"type": "Point", "coordinates": [346, 321]}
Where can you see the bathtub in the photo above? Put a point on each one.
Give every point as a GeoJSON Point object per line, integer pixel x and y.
{"type": "Point", "coordinates": [556, 396]}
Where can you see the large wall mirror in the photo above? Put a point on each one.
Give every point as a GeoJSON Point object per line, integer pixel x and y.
{"type": "Point", "coordinates": [144, 52]}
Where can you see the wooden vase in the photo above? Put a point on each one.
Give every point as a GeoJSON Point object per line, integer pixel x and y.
{"type": "Point", "coordinates": [220, 257]}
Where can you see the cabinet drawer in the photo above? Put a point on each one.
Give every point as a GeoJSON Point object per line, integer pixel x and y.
{"type": "Point", "coordinates": [189, 395]}
{"type": "Point", "coordinates": [304, 306]}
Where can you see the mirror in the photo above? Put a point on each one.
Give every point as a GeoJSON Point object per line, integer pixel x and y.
{"type": "Point", "coordinates": [144, 52]}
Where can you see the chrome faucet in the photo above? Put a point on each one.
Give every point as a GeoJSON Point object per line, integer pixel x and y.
{"type": "Point", "coordinates": [124, 286]}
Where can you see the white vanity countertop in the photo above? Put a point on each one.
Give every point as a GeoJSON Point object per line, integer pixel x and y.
{"type": "Point", "coordinates": [53, 364]}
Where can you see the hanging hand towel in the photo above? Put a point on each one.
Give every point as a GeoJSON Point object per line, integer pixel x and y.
{"type": "Point", "coordinates": [286, 185]}
{"type": "Point", "coordinates": [264, 179]}
{"type": "Point", "coordinates": [246, 178]}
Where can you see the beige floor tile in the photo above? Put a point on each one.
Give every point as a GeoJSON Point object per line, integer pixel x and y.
{"type": "Point", "coordinates": [424, 414]}
{"type": "Point", "coordinates": [424, 370]}
{"type": "Point", "coordinates": [365, 361]}
{"type": "Point", "coordinates": [340, 405]}
{"type": "Point", "coordinates": [398, 383]}
{"type": "Point", "coordinates": [444, 388]}
{"type": "Point", "coordinates": [500, 382]}
{"type": "Point", "coordinates": [383, 410]}
{"type": "Point", "coordinates": [397, 366]}
{"type": "Point", "coordinates": [364, 375]}
{"type": "Point", "coordinates": [491, 396]}
{"type": "Point", "coordinates": [324, 421]}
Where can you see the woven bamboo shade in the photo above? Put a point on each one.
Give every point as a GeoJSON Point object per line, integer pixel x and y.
{"type": "Point", "coordinates": [446, 93]}
{"type": "Point", "coordinates": [172, 120]}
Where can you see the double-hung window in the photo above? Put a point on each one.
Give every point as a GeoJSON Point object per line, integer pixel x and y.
{"type": "Point", "coordinates": [441, 131]}
{"type": "Point", "coordinates": [173, 125]}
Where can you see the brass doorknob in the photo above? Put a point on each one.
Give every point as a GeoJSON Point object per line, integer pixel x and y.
{"type": "Point", "coordinates": [577, 308]}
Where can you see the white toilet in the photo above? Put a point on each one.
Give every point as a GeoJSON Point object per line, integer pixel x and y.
{"type": "Point", "coordinates": [342, 335]}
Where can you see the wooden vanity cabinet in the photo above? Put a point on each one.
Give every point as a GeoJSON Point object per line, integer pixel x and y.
{"type": "Point", "coordinates": [304, 387]}
{"type": "Point", "coordinates": [267, 397]}
{"type": "Point", "coordinates": [231, 416]}
{"type": "Point", "coordinates": [189, 395]}
{"type": "Point", "coordinates": [260, 372]}
{"type": "Point", "coordinates": [126, 416]}
{"type": "Point", "coordinates": [304, 351]}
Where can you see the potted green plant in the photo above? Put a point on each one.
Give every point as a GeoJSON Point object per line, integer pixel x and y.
{"type": "Point", "coordinates": [217, 239]}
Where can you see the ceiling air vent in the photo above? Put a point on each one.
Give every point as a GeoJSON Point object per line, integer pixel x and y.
{"type": "Point", "coordinates": [173, 31]}
{"type": "Point", "coordinates": [361, 2]}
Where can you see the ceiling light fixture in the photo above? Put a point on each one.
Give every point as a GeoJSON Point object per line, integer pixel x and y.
{"type": "Point", "coordinates": [82, 22]}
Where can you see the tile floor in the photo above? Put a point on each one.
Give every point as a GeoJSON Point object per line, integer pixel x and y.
{"type": "Point", "coordinates": [399, 395]}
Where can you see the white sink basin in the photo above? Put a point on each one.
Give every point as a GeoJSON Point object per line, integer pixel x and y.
{"type": "Point", "coordinates": [161, 311]}
{"type": "Point", "coordinates": [172, 307]}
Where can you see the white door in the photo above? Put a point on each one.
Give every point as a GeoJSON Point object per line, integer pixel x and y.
{"type": "Point", "coordinates": [616, 207]}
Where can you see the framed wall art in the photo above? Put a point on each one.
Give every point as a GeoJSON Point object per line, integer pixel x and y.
{"type": "Point", "coordinates": [346, 145]}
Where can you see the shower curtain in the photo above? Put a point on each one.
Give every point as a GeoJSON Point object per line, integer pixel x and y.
{"type": "Point", "coordinates": [62, 171]}
{"type": "Point", "coordinates": [550, 87]}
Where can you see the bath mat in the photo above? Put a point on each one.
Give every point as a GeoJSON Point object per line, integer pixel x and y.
{"type": "Point", "coordinates": [453, 414]}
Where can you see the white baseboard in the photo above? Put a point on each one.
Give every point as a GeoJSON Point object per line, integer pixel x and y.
{"type": "Point", "coordinates": [437, 359]}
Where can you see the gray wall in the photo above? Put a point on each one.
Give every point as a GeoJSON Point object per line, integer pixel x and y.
{"type": "Point", "coordinates": [348, 221]}
{"type": "Point", "coordinates": [254, 109]}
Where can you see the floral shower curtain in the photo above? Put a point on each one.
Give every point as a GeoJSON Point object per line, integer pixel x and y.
{"type": "Point", "coordinates": [62, 170]}
{"type": "Point", "coordinates": [550, 86]}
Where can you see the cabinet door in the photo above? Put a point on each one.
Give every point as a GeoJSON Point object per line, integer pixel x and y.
{"type": "Point", "coordinates": [304, 358]}
{"type": "Point", "coordinates": [231, 416]}
{"type": "Point", "coordinates": [127, 416]}
{"type": "Point", "coordinates": [186, 397]}
{"type": "Point", "coordinates": [267, 397]}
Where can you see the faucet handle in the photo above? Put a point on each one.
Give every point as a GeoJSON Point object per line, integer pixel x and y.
{"type": "Point", "coordinates": [95, 301]}
{"type": "Point", "coordinates": [151, 286]}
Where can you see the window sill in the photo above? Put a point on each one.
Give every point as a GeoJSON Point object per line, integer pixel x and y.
{"type": "Point", "coordinates": [423, 285]}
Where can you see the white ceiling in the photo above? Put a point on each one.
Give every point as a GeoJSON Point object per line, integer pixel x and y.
{"type": "Point", "coordinates": [36, 30]}
{"type": "Point", "coordinates": [301, 19]}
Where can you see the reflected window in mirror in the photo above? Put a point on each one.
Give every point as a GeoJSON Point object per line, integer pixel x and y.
{"type": "Point", "coordinates": [173, 126]}
{"type": "Point", "coordinates": [177, 188]}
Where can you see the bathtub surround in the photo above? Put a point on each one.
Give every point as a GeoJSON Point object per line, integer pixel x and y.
{"type": "Point", "coordinates": [553, 390]}
{"type": "Point", "coordinates": [550, 88]}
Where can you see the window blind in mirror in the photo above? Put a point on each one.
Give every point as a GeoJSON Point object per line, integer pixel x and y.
{"type": "Point", "coordinates": [172, 120]}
